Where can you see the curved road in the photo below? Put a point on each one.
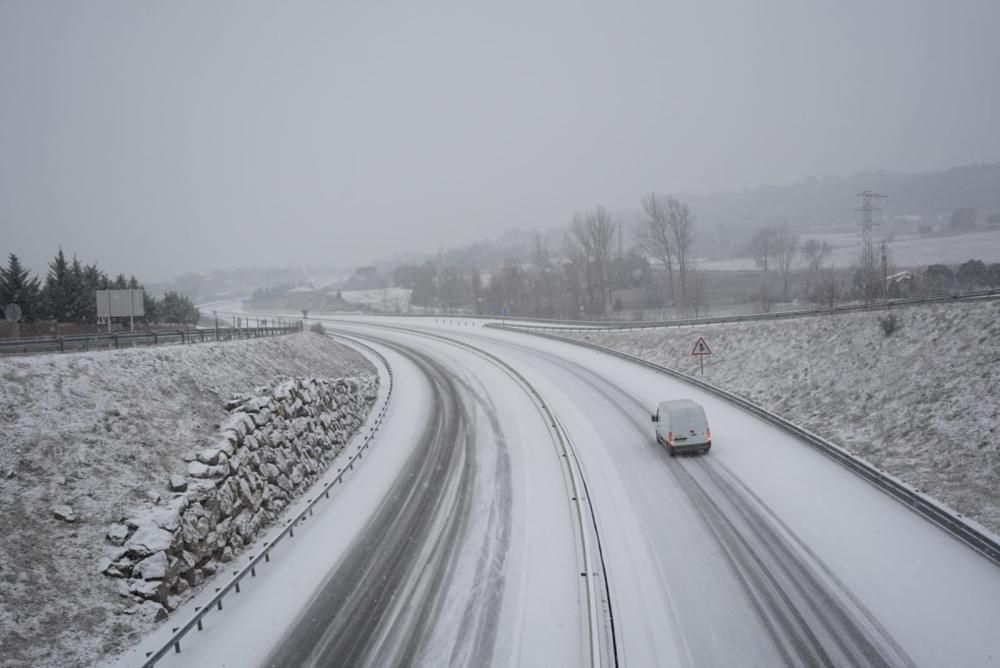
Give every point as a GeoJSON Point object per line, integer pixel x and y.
{"type": "Point", "coordinates": [377, 606]}
{"type": "Point", "coordinates": [454, 542]}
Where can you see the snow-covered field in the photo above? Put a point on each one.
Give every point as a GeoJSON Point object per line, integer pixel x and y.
{"type": "Point", "coordinates": [96, 432]}
{"type": "Point", "coordinates": [387, 299]}
{"type": "Point", "coordinates": [903, 252]}
{"type": "Point", "coordinates": [920, 403]}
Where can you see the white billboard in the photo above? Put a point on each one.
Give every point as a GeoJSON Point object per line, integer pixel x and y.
{"type": "Point", "coordinates": [119, 303]}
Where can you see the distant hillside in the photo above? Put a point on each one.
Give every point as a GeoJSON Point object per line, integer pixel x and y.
{"type": "Point", "coordinates": [726, 221]}
{"type": "Point", "coordinates": [831, 201]}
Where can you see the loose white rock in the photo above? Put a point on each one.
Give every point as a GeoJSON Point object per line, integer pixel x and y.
{"type": "Point", "coordinates": [64, 513]}
{"type": "Point", "coordinates": [117, 534]}
{"type": "Point", "coordinates": [148, 539]}
{"type": "Point", "coordinates": [152, 568]}
{"type": "Point", "coordinates": [177, 483]}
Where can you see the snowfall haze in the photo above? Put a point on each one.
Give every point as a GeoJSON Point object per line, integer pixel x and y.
{"type": "Point", "coordinates": [162, 138]}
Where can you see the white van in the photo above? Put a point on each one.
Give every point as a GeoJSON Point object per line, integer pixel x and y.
{"type": "Point", "coordinates": [681, 425]}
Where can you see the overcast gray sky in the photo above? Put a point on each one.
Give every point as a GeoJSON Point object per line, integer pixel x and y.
{"type": "Point", "coordinates": [158, 137]}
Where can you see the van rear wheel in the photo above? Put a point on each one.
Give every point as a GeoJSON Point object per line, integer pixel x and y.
{"type": "Point", "coordinates": [670, 449]}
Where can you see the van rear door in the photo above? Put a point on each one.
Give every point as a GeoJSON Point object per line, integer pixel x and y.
{"type": "Point", "coordinates": [690, 426]}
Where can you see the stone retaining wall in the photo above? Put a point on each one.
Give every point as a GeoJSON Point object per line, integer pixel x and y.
{"type": "Point", "coordinates": [272, 447]}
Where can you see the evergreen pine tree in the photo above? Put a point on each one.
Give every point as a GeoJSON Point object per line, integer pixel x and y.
{"type": "Point", "coordinates": [178, 309]}
{"type": "Point", "coordinates": [77, 291]}
{"type": "Point", "coordinates": [151, 307]}
{"type": "Point", "coordinates": [17, 287]}
{"type": "Point", "coordinates": [93, 280]}
{"type": "Point", "coordinates": [56, 294]}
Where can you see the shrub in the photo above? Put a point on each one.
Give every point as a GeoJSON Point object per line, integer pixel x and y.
{"type": "Point", "coordinates": [889, 324]}
{"type": "Point", "coordinates": [317, 327]}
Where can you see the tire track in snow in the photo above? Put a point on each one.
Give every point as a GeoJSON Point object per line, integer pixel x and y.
{"type": "Point", "coordinates": [812, 620]}
{"type": "Point", "coordinates": [603, 642]}
{"type": "Point", "coordinates": [378, 604]}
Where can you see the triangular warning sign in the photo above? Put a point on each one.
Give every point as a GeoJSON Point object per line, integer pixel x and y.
{"type": "Point", "coordinates": [701, 348]}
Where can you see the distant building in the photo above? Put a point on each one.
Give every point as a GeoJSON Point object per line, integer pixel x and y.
{"type": "Point", "coordinates": [901, 284]}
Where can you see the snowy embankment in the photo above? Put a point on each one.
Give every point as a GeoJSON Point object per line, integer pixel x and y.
{"type": "Point", "coordinates": [92, 438]}
{"type": "Point", "coordinates": [920, 403]}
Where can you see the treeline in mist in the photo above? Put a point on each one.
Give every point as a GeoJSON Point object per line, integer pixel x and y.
{"type": "Point", "coordinates": [603, 268]}
{"type": "Point", "coordinates": [644, 266]}
{"type": "Point", "coordinates": [592, 274]}
{"type": "Point", "coordinates": [68, 293]}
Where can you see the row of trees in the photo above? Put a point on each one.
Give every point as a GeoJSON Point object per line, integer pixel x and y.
{"type": "Point", "coordinates": [666, 232]}
{"type": "Point", "coordinates": [968, 276]}
{"type": "Point", "coordinates": [777, 248]}
{"type": "Point", "coordinates": [68, 293]}
{"type": "Point", "coordinates": [583, 279]}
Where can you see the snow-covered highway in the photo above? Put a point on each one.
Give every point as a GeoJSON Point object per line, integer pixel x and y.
{"type": "Point", "coordinates": [455, 541]}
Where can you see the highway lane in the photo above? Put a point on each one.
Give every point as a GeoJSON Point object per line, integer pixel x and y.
{"type": "Point", "coordinates": [762, 553]}
{"type": "Point", "coordinates": [452, 542]}
{"type": "Point", "coordinates": [372, 610]}
{"type": "Point", "coordinates": [733, 551]}
{"type": "Point", "coordinates": [520, 602]}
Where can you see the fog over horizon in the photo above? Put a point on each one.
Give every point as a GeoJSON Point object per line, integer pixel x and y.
{"type": "Point", "coordinates": [156, 139]}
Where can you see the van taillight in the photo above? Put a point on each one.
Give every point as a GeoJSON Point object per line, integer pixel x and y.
{"type": "Point", "coordinates": [708, 433]}
{"type": "Point", "coordinates": [670, 437]}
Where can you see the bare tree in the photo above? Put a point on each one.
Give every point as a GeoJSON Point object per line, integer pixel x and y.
{"type": "Point", "coordinates": [815, 252]}
{"type": "Point", "coordinates": [666, 232]}
{"type": "Point", "coordinates": [766, 296]}
{"type": "Point", "coordinates": [588, 245]}
{"type": "Point", "coordinates": [681, 223]}
{"type": "Point", "coordinates": [544, 281]}
{"type": "Point", "coordinates": [699, 299]}
{"type": "Point", "coordinates": [762, 247]}
{"type": "Point", "coordinates": [652, 235]}
{"type": "Point", "coordinates": [830, 289]}
{"type": "Point", "coordinates": [786, 249]}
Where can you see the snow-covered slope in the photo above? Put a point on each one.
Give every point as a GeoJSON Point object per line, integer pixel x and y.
{"type": "Point", "coordinates": [906, 251]}
{"type": "Point", "coordinates": [96, 432]}
{"type": "Point", "coordinates": [920, 403]}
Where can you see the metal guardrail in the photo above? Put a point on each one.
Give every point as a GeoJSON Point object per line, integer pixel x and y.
{"type": "Point", "coordinates": [289, 530]}
{"type": "Point", "coordinates": [83, 342]}
{"type": "Point", "coordinates": [553, 324]}
{"type": "Point", "coordinates": [608, 326]}
{"type": "Point", "coordinates": [979, 539]}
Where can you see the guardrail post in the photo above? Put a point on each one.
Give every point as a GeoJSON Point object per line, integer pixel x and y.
{"type": "Point", "coordinates": [62, 345]}
{"type": "Point", "coordinates": [115, 337]}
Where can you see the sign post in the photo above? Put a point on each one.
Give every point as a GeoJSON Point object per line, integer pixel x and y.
{"type": "Point", "coordinates": [13, 313]}
{"type": "Point", "coordinates": [701, 349]}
